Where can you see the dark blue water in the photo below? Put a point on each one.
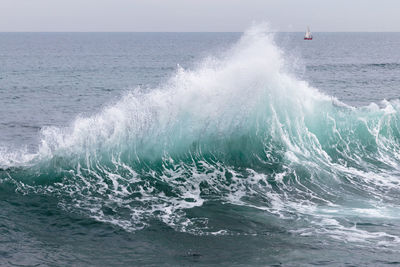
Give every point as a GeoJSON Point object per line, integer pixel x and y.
{"type": "Point", "coordinates": [121, 149]}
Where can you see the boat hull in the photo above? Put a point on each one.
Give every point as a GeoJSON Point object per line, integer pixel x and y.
{"type": "Point", "coordinates": [307, 38]}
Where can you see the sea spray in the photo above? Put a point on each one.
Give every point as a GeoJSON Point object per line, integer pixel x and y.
{"type": "Point", "coordinates": [239, 130]}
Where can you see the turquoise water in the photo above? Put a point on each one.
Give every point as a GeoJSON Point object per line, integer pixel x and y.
{"type": "Point", "coordinates": [199, 149]}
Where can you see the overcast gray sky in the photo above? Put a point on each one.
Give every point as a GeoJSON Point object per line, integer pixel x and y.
{"type": "Point", "coordinates": [198, 15]}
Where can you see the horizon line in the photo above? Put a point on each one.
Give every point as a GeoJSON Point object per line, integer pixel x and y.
{"type": "Point", "coordinates": [193, 31]}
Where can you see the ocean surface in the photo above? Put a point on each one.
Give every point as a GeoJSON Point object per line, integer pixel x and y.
{"type": "Point", "coordinates": [209, 149]}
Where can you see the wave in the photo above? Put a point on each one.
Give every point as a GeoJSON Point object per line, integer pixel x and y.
{"type": "Point", "coordinates": [239, 130]}
{"type": "Point", "coordinates": [355, 67]}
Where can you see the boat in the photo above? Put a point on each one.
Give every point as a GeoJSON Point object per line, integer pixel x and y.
{"type": "Point", "coordinates": [308, 35]}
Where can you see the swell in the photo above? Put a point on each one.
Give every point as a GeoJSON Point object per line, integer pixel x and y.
{"type": "Point", "coordinates": [239, 130]}
{"type": "Point", "coordinates": [355, 67]}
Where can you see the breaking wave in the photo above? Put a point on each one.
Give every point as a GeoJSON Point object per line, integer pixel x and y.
{"type": "Point", "coordinates": [239, 134]}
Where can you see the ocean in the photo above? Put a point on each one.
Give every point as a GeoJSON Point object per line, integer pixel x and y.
{"type": "Point", "coordinates": [209, 149]}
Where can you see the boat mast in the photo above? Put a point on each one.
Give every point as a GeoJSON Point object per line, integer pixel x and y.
{"type": "Point", "coordinates": [308, 33]}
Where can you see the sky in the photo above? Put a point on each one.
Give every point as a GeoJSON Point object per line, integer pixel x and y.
{"type": "Point", "coordinates": [197, 15]}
